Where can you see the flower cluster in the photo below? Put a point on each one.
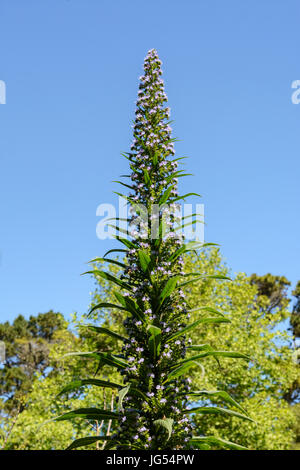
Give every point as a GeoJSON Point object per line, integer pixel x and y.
{"type": "Point", "coordinates": [151, 264]}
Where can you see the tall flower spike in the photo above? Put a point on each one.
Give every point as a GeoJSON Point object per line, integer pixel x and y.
{"type": "Point", "coordinates": [152, 408]}
{"type": "Point", "coordinates": [152, 272]}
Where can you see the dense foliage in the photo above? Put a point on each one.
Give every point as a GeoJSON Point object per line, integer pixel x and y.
{"type": "Point", "coordinates": [29, 403]}
{"type": "Point", "coordinates": [260, 386]}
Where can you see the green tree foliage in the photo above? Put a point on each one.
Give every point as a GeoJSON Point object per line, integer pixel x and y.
{"type": "Point", "coordinates": [42, 370]}
{"type": "Point", "coordinates": [258, 386]}
{"type": "Point", "coordinates": [27, 352]}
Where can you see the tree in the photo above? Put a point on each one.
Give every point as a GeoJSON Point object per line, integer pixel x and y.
{"type": "Point", "coordinates": [26, 353]}
{"type": "Point", "coordinates": [272, 287]}
{"type": "Point", "coordinates": [153, 411]}
{"type": "Point", "coordinates": [30, 403]}
{"type": "Point", "coordinates": [260, 385]}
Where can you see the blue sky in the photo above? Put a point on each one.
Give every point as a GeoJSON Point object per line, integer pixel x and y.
{"type": "Point", "coordinates": [71, 70]}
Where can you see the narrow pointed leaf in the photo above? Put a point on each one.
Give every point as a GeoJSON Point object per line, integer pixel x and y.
{"type": "Point", "coordinates": [86, 441]}
{"type": "Point", "coordinates": [215, 410]}
{"type": "Point", "coordinates": [166, 423]}
{"type": "Point", "coordinates": [179, 198]}
{"type": "Point", "coordinates": [88, 413]}
{"type": "Point", "coordinates": [218, 277]}
{"type": "Point", "coordinates": [126, 242]}
{"type": "Point", "coordinates": [216, 394]}
{"type": "Point", "coordinates": [76, 384]}
{"type": "Point", "coordinates": [105, 305]}
{"type": "Point", "coordinates": [115, 250]}
{"type": "Point", "coordinates": [147, 177]}
{"type": "Point", "coordinates": [170, 286]}
{"type": "Point", "coordinates": [107, 331]}
{"type": "Point", "coordinates": [107, 260]}
{"type": "Point", "coordinates": [154, 340]}
{"type": "Point", "coordinates": [166, 195]}
{"type": "Point", "coordinates": [182, 370]}
{"type": "Point", "coordinates": [130, 306]}
{"type": "Point", "coordinates": [122, 393]}
{"type": "Point", "coordinates": [203, 321]}
{"type": "Point", "coordinates": [207, 309]}
{"type": "Point", "coordinates": [145, 260]}
{"type": "Point", "coordinates": [215, 441]}
{"type": "Point", "coordinates": [109, 277]}
{"type": "Point", "coordinates": [230, 354]}
{"type": "Point", "coordinates": [111, 360]}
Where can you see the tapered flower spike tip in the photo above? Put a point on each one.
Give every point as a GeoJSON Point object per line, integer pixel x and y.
{"type": "Point", "coordinates": [152, 143]}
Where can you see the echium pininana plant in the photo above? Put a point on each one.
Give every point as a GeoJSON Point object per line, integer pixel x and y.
{"type": "Point", "coordinates": [153, 408]}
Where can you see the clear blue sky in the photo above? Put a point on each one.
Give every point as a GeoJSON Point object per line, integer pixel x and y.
{"type": "Point", "coordinates": [71, 69]}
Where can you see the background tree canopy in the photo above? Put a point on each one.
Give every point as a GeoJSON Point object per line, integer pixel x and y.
{"type": "Point", "coordinates": [36, 368]}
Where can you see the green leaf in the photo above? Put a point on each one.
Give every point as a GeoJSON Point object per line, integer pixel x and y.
{"type": "Point", "coordinates": [166, 195]}
{"type": "Point", "coordinates": [123, 184]}
{"type": "Point", "coordinates": [106, 331]}
{"type": "Point", "coordinates": [182, 370]}
{"type": "Point", "coordinates": [178, 227]}
{"type": "Point", "coordinates": [107, 260]}
{"type": "Point", "coordinates": [130, 306]}
{"type": "Point", "coordinates": [203, 321]}
{"type": "Point", "coordinates": [137, 391]}
{"type": "Point", "coordinates": [76, 384]}
{"type": "Point", "coordinates": [216, 411]}
{"type": "Point", "coordinates": [155, 158]}
{"type": "Point", "coordinates": [154, 340]}
{"type": "Point", "coordinates": [177, 174]}
{"type": "Point", "coordinates": [145, 260]}
{"type": "Point", "coordinates": [146, 177]}
{"type": "Point", "coordinates": [215, 441]}
{"type": "Point", "coordinates": [177, 253]}
{"type": "Point", "coordinates": [122, 393]}
{"type": "Point", "coordinates": [207, 309]}
{"type": "Point", "coordinates": [126, 242]}
{"type": "Point", "coordinates": [189, 216]}
{"type": "Point", "coordinates": [86, 441]}
{"type": "Point", "coordinates": [201, 347]}
{"type": "Point", "coordinates": [102, 357]}
{"type": "Point", "coordinates": [127, 155]}
{"type": "Point", "coordinates": [106, 305]}
{"type": "Point", "coordinates": [110, 277]}
{"type": "Point", "coordinates": [170, 286]}
{"type": "Point", "coordinates": [220, 277]}
{"type": "Point", "coordinates": [166, 423]}
{"type": "Point", "coordinates": [115, 250]}
{"type": "Point", "coordinates": [204, 347]}
{"type": "Point", "coordinates": [119, 229]}
{"type": "Point", "coordinates": [88, 413]}
{"type": "Point", "coordinates": [213, 394]}
{"type": "Point", "coordinates": [87, 354]}
{"type": "Point", "coordinates": [111, 360]}
{"type": "Point", "coordinates": [231, 354]}
{"type": "Point", "coordinates": [179, 198]}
